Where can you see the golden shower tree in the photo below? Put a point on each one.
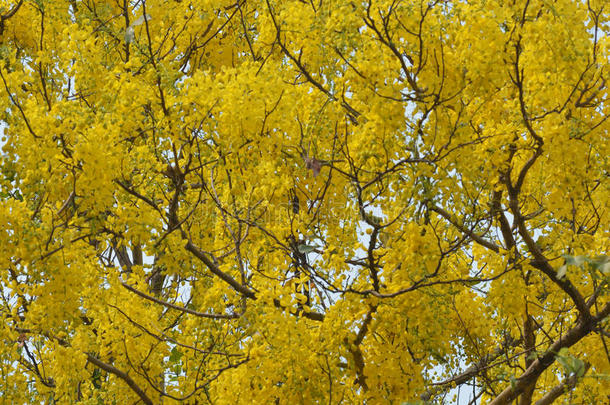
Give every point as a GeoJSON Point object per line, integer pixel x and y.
{"type": "Point", "coordinates": [283, 201]}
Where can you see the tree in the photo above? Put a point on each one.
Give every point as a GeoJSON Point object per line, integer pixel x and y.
{"type": "Point", "coordinates": [304, 202]}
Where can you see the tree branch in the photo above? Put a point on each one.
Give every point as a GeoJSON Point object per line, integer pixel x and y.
{"type": "Point", "coordinates": [315, 316]}
{"type": "Point", "coordinates": [179, 308]}
{"type": "Point", "coordinates": [557, 391]}
{"type": "Point", "coordinates": [473, 370]}
{"type": "Point", "coordinates": [477, 238]}
{"type": "Point", "coordinates": [570, 338]}
{"type": "Point", "coordinates": [214, 269]}
{"type": "Point", "coordinates": [123, 376]}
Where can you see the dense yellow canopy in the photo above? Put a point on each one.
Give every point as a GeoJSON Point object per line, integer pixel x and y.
{"type": "Point", "coordinates": [288, 202]}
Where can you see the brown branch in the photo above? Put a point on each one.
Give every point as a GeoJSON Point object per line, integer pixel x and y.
{"type": "Point", "coordinates": [203, 257]}
{"type": "Point", "coordinates": [69, 201]}
{"type": "Point", "coordinates": [570, 338]}
{"type": "Point", "coordinates": [123, 376]}
{"type": "Point", "coordinates": [200, 254]}
{"type": "Point", "coordinates": [8, 15]}
{"type": "Point", "coordinates": [134, 193]}
{"type": "Point", "coordinates": [10, 96]}
{"type": "Point", "coordinates": [473, 370]}
{"type": "Point", "coordinates": [557, 391]}
{"type": "Point", "coordinates": [540, 261]}
{"type": "Point", "coordinates": [421, 284]}
{"type": "Point", "coordinates": [352, 113]}
{"type": "Point", "coordinates": [526, 167]}
{"type": "Point", "coordinates": [315, 316]}
{"type": "Point", "coordinates": [354, 348]}
{"type": "Point", "coordinates": [179, 308]}
{"type": "Point", "coordinates": [529, 344]}
{"type": "Point", "coordinates": [477, 238]}
{"type": "Point", "coordinates": [110, 369]}
{"type": "Point", "coordinates": [387, 41]}
{"type": "Point", "coordinates": [505, 228]}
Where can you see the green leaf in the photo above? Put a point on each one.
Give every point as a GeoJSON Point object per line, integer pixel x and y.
{"type": "Point", "coordinates": [303, 248]}
{"type": "Point", "coordinates": [130, 34]}
{"type": "Point", "coordinates": [578, 367]}
{"type": "Point", "coordinates": [513, 382]}
{"type": "Point", "coordinates": [575, 260]}
{"type": "Point", "coordinates": [602, 264]}
{"type": "Point", "coordinates": [140, 21]}
{"type": "Point", "coordinates": [372, 219]}
{"type": "Point", "coordinates": [96, 378]}
{"type": "Point", "coordinates": [561, 272]}
{"type": "Point", "coordinates": [605, 268]}
{"type": "Point", "coordinates": [438, 357]}
{"type": "Point", "coordinates": [570, 364]}
{"type": "Point", "coordinates": [563, 359]}
{"type": "Point", "coordinates": [175, 355]}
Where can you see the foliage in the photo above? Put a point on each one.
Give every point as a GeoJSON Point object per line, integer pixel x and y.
{"type": "Point", "coordinates": [304, 202]}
